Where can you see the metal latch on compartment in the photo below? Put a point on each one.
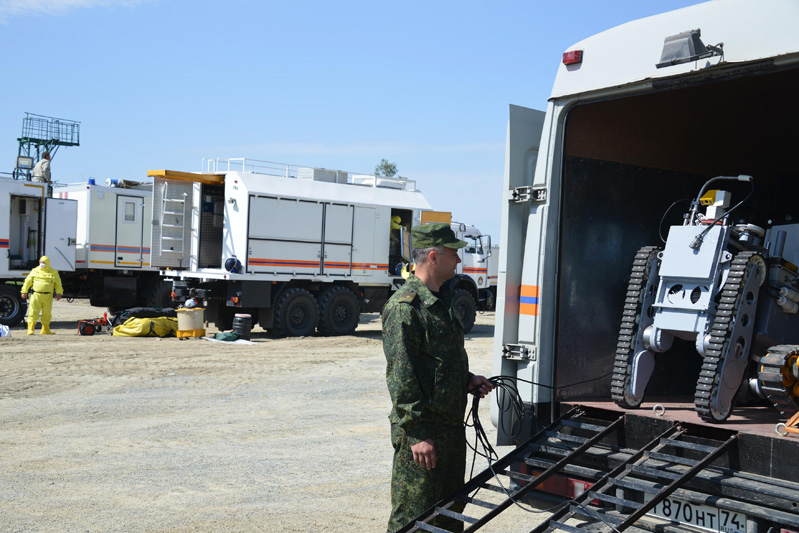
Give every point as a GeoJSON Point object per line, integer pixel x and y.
{"type": "Point", "coordinates": [519, 352]}
{"type": "Point", "coordinates": [520, 195]}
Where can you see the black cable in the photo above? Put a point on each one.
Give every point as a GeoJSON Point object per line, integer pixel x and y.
{"type": "Point", "coordinates": [697, 242]}
{"type": "Point", "coordinates": [563, 386]}
{"type": "Point", "coordinates": [665, 213]}
{"type": "Point", "coordinates": [509, 400]}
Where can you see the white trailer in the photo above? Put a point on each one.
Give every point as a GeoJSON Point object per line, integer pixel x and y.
{"type": "Point", "coordinates": [31, 225]}
{"type": "Point", "coordinates": [112, 258]}
{"type": "Point", "coordinates": [297, 248]}
{"type": "Point", "coordinates": [640, 117]}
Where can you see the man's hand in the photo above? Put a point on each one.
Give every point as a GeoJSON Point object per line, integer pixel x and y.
{"type": "Point", "coordinates": [57, 296]}
{"type": "Point", "coordinates": [24, 295]}
{"type": "Point", "coordinates": [480, 385]}
{"type": "Point", "coordinates": [424, 453]}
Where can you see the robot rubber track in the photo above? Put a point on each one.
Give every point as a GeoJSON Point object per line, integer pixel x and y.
{"type": "Point", "coordinates": [706, 395]}
{"type": "Point", "coordinates": [770, 376]}
{"type": "Point", "coordinates": [631, 324]}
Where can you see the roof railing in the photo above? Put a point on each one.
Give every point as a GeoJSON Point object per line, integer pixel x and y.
{"type": "Point", "coordinates": [284, 170]}
{"type": "Point", "coordinates": [56, 131]}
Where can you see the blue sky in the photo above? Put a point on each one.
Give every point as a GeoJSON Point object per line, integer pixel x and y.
{"type": "Point", "coordinates": [338, 84]}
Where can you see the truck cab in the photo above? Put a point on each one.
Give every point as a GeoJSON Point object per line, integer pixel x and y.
{"type": "Point", "coordinates": [478, 263]}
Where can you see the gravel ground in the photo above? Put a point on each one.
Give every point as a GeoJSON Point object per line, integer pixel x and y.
{"type": "Point", "coordinates": [112, 434]}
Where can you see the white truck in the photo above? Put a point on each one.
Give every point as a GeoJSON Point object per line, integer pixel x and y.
{"type": "Point", "coordinates": [299, 249]}
{"type": "Point", "coordinates": [96, 236]}
{"type": "Point", "coordinates": [640, 117]}
{"type": "Point", "coordinates": [31, 225]}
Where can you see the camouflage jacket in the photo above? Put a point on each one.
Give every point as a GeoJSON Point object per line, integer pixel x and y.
{"type": "Point", "coordinates": [427, 369]}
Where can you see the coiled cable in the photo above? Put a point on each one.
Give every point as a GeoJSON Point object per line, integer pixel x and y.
{"type": "Point", "coordinates": [510, 400]}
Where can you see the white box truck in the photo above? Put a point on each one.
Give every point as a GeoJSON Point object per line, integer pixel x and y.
{"type": "Point", "coordinates": [31, 225]}
{"type": "Point", "coordinates": [112, 256]}
{"type": "Point", "coordinates": [296, 248]}
{"type": "Point", "coordinates": [629, 133]}
{"type": "Point", "coordinates": [640, 118]}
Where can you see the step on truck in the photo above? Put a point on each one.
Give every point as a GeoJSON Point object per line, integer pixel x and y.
{"type": "Point", "coordinates": [299, 249]}
{"type": "Point", "coordinates": [638, 301]}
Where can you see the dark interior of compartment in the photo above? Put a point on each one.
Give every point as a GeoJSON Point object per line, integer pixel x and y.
{"type": "Point", "coordinates": [24, 232]}
{"type": "Point", "coordinates": [626, 162]}
{"type": "Point", "coordinates": [211, 225]}
{"type": "Point", "coordinates": [398, 252]}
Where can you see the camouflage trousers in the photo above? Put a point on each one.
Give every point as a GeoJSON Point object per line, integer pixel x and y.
{"type": "Point", "coordinates": [415, 489]}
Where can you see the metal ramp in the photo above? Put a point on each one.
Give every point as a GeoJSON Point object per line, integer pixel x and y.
{"type": "Point", "coordinates": [646, 474]}
{"type": "Point", "coordinates": [617, 499]}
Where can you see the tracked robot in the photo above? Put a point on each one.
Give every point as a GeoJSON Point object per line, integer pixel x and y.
{"type": "Point", "coordinates": [730, 288]}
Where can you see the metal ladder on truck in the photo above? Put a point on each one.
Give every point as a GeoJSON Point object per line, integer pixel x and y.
{"type": "Point", "coordinates": [615, 500]}
{"type": "Point", "coordinates": [173, 233]}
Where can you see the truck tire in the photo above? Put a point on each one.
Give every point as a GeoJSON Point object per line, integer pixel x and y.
{"type": "Point", "coordinates": [339, 311]}
{"type": "Point", "coordinates": [296, 313]}
{"type": "Point", "coordinates": [464, 305]}
{"type": "Point", "coordinates": [224, 318]}
{"type": "Point", "coordinates": [160, 296]}
{"type": "Point", "coordinates": [491, 299]}
{"type": "Point", "coordinates": [12, 306]}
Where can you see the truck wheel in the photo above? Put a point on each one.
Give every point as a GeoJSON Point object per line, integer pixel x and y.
{"type": "Point", "coordinates": [160, 296]}
{"type": "Point", "coordinates": [338, 311]}
{"type": "Point", "coordinates": [224, 318]}
{"type": "Point", "coordinates": [296, 313]}
{"type": "Point", "coordinates": [12, 306]}
{"type": "Point", "coordinates": [491, 299]}
{"type": "Point", "coordinates": [464, 305]}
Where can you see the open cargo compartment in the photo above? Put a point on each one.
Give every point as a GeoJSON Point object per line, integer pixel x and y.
{"type": "Point", "coordinates": [211, 222]}
{"type": "Point", "coordinates": [626, 161]}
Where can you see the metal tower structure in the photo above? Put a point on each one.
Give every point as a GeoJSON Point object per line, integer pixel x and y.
{"type": "Point", "coordinates": [43, 134]}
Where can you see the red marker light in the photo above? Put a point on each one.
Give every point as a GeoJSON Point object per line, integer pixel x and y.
{"type": "Point", "coordinates": [573, 57]}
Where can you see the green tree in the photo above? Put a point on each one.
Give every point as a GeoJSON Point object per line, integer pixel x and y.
{"type": "Point", "coordinates": [386, 168]}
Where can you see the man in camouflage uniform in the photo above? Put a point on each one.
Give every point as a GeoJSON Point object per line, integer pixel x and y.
{"type": "Point", "coordinates": [428, 377]}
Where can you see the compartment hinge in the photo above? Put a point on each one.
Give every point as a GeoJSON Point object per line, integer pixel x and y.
{"type": "Point", "coordinates": [520, 195]}
{"type": "Point", "coordinates": [519, 352]}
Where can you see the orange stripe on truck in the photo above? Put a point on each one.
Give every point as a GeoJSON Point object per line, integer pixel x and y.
{"type": "Point", "coordinates": [528, 300]}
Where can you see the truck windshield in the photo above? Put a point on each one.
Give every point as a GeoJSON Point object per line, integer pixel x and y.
{"type": "Point", "coordinates": [475, 245]}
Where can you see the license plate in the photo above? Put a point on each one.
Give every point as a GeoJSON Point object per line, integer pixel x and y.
{"type": "Point", "coordinates": [698, 515]}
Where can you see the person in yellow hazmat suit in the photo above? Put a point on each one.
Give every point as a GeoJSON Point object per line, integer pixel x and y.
{"type": "Point", "coordinates": [396, 222]}
{"type": "Point", "coordinates": [45, 283]}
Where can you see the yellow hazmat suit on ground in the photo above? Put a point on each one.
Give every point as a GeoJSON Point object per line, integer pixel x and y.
{"type": "Point", "coordinates": [45, 283]}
